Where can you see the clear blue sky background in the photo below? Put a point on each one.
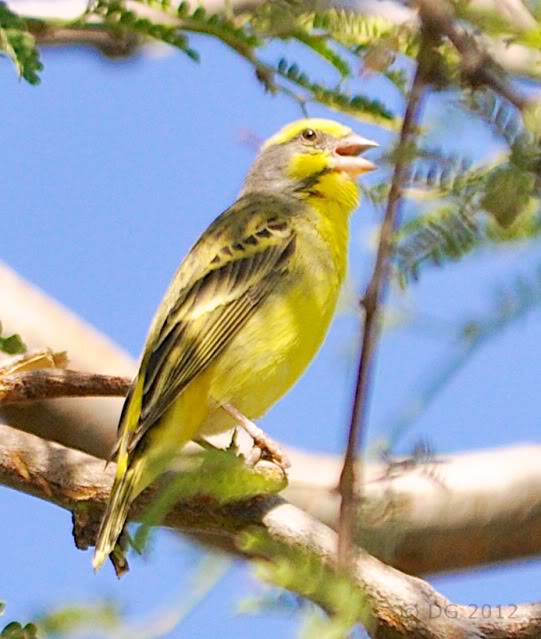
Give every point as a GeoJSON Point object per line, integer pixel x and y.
{"type": "Point", "coordinates": [109, 173]}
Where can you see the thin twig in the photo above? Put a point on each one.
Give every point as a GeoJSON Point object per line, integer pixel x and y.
{"type": "Point", "coordinates": [371, 305]}
{"type": "Point", "coordinates": [478, 66]}
{"type": "Point", "coordinates": [52, 383]}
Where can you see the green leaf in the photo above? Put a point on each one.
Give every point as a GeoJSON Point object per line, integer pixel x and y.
{"type": "Point", "coordinates": [12, 345]}
{"type": "Point", "coordinates": [215, 474]}
{"type": "Point", "coordinates": [507, 193]}
{"type": "Point", "coordinates": [15, 630]}
{"type": "Point", "coordinates": [306, 573]}
{"type": "Point", "coordinates": [67, 621]}
{"type": "Point", "coordinates": [19, 45]}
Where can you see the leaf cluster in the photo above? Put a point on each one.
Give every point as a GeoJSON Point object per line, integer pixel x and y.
{"type": "Point", "coordinates": [18, 44]}
{"type": "Point", "coordinates": [219, 475]}
{"type": "Point", "coordinates": [12, 345]}
{"type": "Point", "coordinates": [15, 630]}
{"type": "Point", "coordinates": [473, 206]}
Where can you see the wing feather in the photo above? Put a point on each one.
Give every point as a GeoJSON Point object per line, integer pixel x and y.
{"type": "Point", "coordinates": [205, 313]}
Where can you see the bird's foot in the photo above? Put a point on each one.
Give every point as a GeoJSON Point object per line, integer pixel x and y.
{"type": "Point", "coordinates": [264, 447]}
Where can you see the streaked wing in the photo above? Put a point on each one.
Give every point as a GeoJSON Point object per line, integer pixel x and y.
{"type": "Point", "coordinates": [211, 309]}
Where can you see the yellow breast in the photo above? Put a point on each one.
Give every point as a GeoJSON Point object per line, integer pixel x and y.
{"type": "Point", "coordinates": [274, 348]}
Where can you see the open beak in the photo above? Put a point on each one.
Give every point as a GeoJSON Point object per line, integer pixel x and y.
{"type": "Point", "coordinates": [346, 155]}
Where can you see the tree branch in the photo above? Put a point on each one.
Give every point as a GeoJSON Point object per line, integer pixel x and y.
{"type": "Point", "coordinates": [417, 520]}
{"type": "Point", "coordinates": [371, 305]}
{"type": "Point", "coordinates": [53, 383]}
{"type": "Point", "coordinates": [512, 57]}
{"type": "Point", "coordinates": [399, 606]}
{"type": "Point", "coordinates": [477, 64]}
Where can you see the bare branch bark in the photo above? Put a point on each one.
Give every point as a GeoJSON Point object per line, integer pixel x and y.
{"type": "Point", "coordinates": [417, 521]}
{"type": "Point", "coordinates": [444, 514]}
{"type": "Point", "coordinates": [399, 606]}
{"type": "Point", "coordinates": [91, 424]}
{"type": "Point", "coordinates": [52, 384]}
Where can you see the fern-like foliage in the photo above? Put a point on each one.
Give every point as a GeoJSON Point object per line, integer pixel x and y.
{"type": "Point", "coordinates": [435, 172]}
{"type": "Point", "coordinates": [19, 45]}
{"type": "Point", "coordinates": [451, 228]}
{"type": "Point", "coordinates": [357, 31]}
{"type": "Point", "coordinates": [285, 20]}
{"type": "Point", "coordinates": [355, 105]}
{"type": "Point", "coordinates": [507, 124]}
{"type": "Point", "coordinates": [488, 203]}
{"type": "Point", "coordinates": [173, 24]}
{"type": "Point", "coordinates": [444, 234]}
{"type": "Point", "coordinates": [502, 118]}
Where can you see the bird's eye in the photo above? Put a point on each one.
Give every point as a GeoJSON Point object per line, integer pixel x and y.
{"type": "Point", "coordinates": [309, 135]}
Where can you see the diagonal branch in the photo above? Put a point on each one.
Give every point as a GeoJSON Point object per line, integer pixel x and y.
{"type": "Point", "coordinates": [399, 606]}
{"type": "Point", "coordinates": [413, 514]}
{"type": "Point", "coordinates": [458, 512]}
{"type": "Point", "coordinates": [478, 66]}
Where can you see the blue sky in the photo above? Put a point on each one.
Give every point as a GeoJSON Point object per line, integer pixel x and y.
{"type": "Point", "coordinates": [109, 173]}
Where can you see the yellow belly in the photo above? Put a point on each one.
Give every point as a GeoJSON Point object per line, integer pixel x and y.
{"type": "Point", "coordinates": [271, 351]}
{"type": "Point", "coordinates": [258, 367]}
{"type": "Point", "coordinates": [262, 362]}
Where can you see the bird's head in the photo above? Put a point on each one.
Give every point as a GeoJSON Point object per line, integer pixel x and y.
{"type": "Point", "coordinates": [312, 157]}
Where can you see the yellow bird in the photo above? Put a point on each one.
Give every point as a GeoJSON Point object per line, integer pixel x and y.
{"type": "Point", "coordinates": [247, 309]}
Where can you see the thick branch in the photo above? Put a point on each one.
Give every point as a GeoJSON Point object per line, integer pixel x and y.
{"type": "Point", "coordinates": [456, 512]}
{"type": "Point", "coordinates": [400, 606]}
{"type": "Point", "coordinates": [485, 507]}
{"type": "Point", "coordinates": [418, 519]}
{"type": "Point", "coordinates": [91, 424]}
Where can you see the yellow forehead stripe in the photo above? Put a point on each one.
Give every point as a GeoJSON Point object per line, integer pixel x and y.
{"type": "Point", "coordinates": [291, 131]}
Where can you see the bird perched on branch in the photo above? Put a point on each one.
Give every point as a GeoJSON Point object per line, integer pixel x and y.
{"type": "Point", "coordinates": [247, 309]}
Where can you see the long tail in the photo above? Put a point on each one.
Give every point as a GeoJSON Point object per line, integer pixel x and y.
{"type": "Point", "coordinates": [114, 519]}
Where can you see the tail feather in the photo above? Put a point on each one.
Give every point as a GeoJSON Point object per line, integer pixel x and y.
{"type": "Point", "coordinates": [114, 519]}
